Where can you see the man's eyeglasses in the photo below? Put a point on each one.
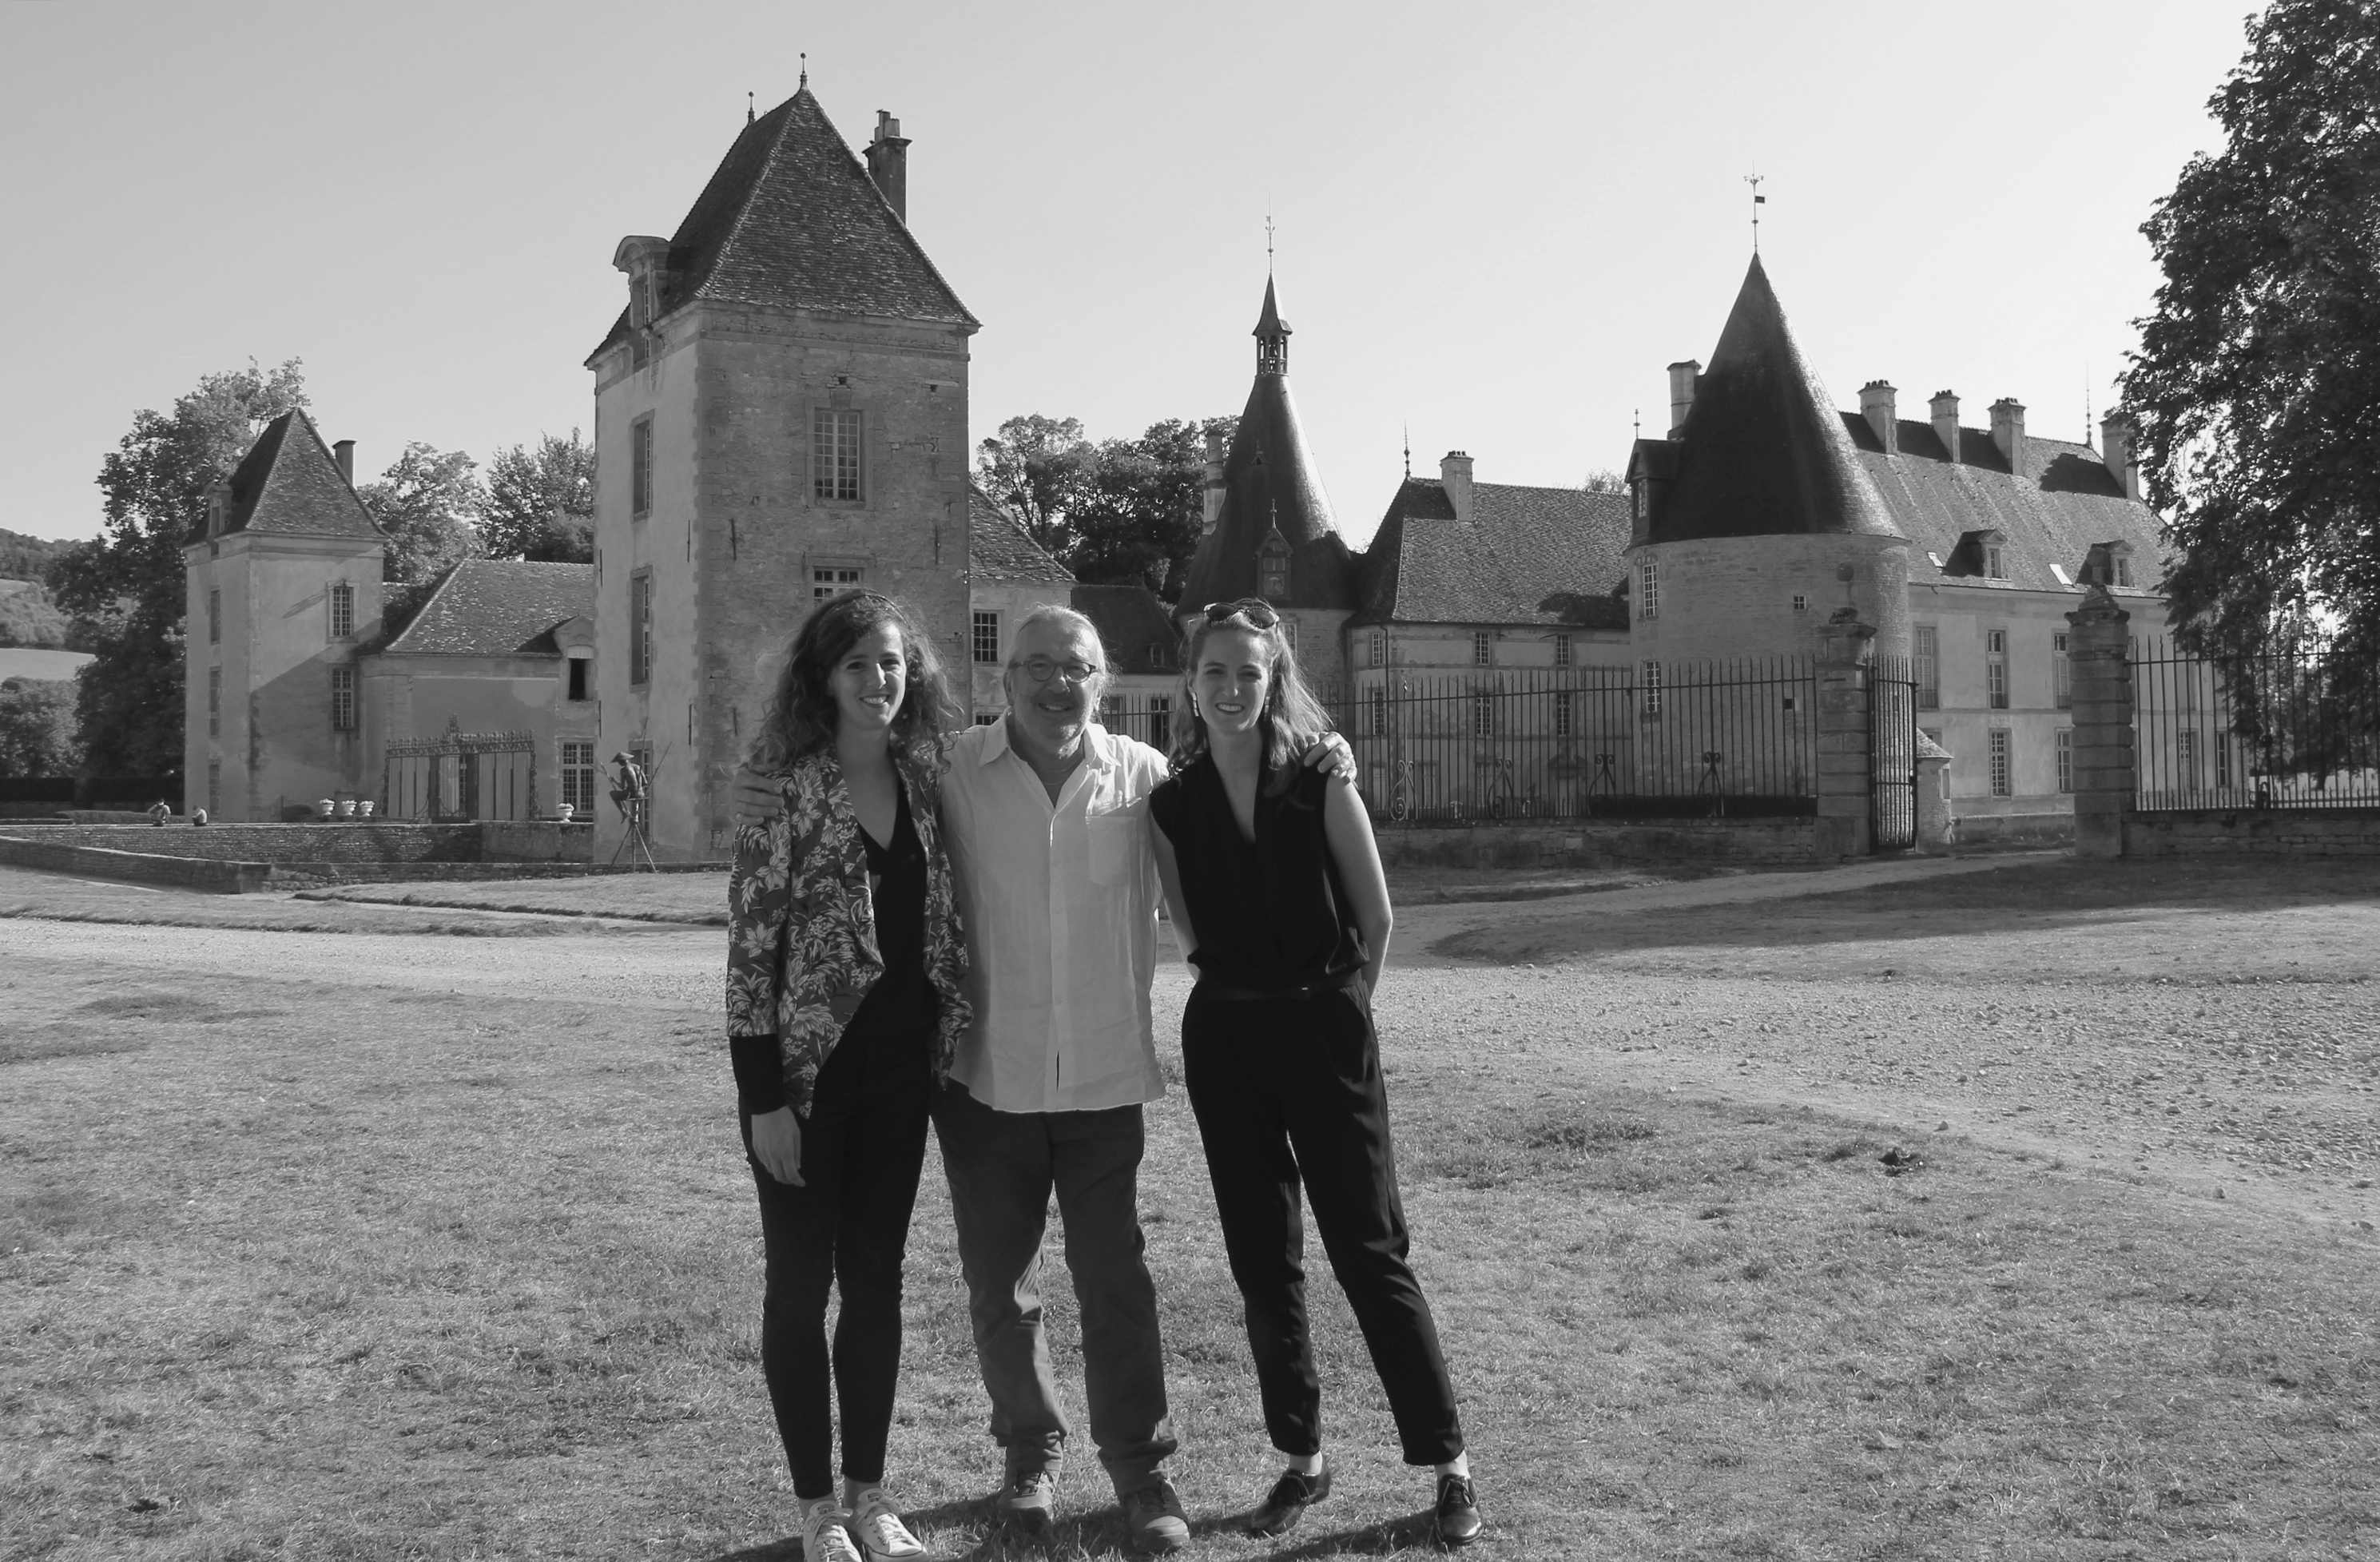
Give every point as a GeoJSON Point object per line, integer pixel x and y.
{"type": "Point", "coordinates": [1255, 609]}
{"type": "Point", "coordinates": [1041, 669]}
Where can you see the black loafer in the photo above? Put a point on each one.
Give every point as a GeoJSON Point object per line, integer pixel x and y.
{"type": "Point", "coordinates": [1458, 1510]}
{"type": "Point", "coordinates": [1290, 1496]}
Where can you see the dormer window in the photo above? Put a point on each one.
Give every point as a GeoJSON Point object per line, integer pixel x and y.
{"type": "Point", "coordinates": [215, 512]}
{"type": "Point", "coordinates": [1981, 553]}
{"type": "Point", "coordinates": [1272, 569]}
{"type": "Point", "coordinates": [2123, 569]}
{"type": "Point", "coordinates": [1994, 563]}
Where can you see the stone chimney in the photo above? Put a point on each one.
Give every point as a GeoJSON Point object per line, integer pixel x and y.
{"type": "Point", "coordinates": [1879, 403]}
{"type": "Point", "coordinates": [1945, 408]}
{"type": "Point", "coordinates": [645, 259]}
{"type": "Point", "coordinates": [2007, 432]}
{"type": "Point", "coordinates": [1683, 377]}
{"type": "Point", "coordinates": [2116, 449]}
{"type": "Point", "coordinates": [1214, 489]}
{"type": "Point", "coordinates": [344, 452]}
{"type": "Point", "coordinates": [888, 163]}
{"type": "Point", "coordinates": [1455, 470]}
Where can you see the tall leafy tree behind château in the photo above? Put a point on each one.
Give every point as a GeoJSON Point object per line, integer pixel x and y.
{"type": "Point", "coordinates": [1116, 512]}
{"type": "Point", "coordinates": [124, 589]}
{"type": "Point", "coordinates": [540, 502]}
{"type": "Point", "coordinates": [1034, 465]}
{"type": "Point", "coordinates": [429, 502]}
{"type": "Point", "coordinates": [2256, 389]}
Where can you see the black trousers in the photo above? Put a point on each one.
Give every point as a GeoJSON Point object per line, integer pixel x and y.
{"type": "Point", "coordinates": [862, 1147]}
{"type": "Point", "coordinates": [1289, 1092]}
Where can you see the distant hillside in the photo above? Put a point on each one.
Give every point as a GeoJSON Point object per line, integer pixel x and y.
{"type": "Point", "coordinates": [27, 558]}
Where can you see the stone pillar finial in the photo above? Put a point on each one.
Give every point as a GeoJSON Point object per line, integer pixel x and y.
{"type": "Point", "coordinates": [1846, 765]}
{"type": "Point", "coordinates": [2098, 653]}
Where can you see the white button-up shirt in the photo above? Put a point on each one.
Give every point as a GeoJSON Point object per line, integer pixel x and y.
{"type": "Point", "coordinates": [1061, 909]}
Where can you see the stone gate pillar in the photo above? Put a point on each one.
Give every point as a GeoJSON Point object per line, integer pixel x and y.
{"type": "Point", "coordinates": [1846, 760]}
{"type": "Point", "coordinates": [2105, 771]}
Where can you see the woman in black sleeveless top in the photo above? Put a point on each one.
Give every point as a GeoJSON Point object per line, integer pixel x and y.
{"type": "Point", "coordinates": [1275, 884]}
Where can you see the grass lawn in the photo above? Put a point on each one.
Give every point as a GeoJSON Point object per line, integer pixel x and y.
{"type": "Point", "coordinates": [297, 1261]}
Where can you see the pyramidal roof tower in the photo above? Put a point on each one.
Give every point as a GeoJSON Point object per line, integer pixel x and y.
{"type": "Point", "coordinates": [1274, 536]}
{"type": "Point", "coordinates": [1763, 452]}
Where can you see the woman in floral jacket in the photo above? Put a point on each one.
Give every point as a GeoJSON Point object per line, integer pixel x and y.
{"type": "Point", "coordinates": [843, 1004]}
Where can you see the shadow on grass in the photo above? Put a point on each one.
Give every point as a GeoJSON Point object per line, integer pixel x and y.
{"type": "Point", "coordinates": [2035, 896]}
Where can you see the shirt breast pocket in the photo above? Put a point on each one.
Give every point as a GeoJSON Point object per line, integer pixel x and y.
{"type": "Point", "coordinates": [1116, 846]}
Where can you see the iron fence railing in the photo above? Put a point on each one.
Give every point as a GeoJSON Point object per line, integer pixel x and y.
{"type": "Point", "coordinates": [1650, 741]}
{"type": "Point", "coordinates": [2286, 731]}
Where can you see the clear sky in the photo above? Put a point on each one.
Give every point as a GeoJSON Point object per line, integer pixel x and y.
{"type": "Point", "coordinates": [1496, 223]}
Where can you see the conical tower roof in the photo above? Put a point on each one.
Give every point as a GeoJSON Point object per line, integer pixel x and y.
{"type": "Point", "coordinates": [1763, 452]}
{"type": "Point", "coordinates": [791, 220]}
{"type": "Point", "coordinates": [1271, 484]}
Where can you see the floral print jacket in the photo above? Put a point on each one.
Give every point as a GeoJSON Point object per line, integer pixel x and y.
{"type": "Point", "coordinates": [801, 942]}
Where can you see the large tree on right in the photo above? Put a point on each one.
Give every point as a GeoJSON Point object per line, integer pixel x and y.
{"type": "Point", "coordinates": [2256, 389]}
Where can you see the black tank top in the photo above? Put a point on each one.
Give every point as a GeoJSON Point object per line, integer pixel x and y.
{"type": "Point", "coordinates": [1273, 915]}
{"type": "Point", "coordinates": [900, 1003]}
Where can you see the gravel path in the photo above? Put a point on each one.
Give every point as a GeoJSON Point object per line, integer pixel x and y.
{"type": "Point", "coordinates": [2224, 1051]}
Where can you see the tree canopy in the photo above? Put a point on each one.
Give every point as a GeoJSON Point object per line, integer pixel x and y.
{"type": "Point", "coordinates": [2256, 389]}
{"type": "Point", "coordinates": [1117, 512]}
{"type": "Point", "coordinates": [429, 504]}
{"type": "Point", "coordinates": [540, 502]}
{"type": "Point", "coordinates": [37, 727]}
{"type": "Point", "coordinates": [124, 589]}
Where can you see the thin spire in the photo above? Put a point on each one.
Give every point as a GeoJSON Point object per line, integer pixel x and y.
{"type": "Point", "coordinates": [2087, 404]}
{"type": "Point", "coordinates": [751, 109]}
{"type": "Point", "coordinates": [1636, 420]}
{"type": "Point", "coordinates": [1408, 453]}
{"type": "Point", "coordinates": [1758, 201]}
{"type": "Point", "coordinates": [1267, 237]}
{"type": "Point", "coordinates": [806, 71]}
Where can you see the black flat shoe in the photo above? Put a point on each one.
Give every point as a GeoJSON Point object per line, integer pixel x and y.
{"type": "Point", "coordinates": [1290, 1496]}
{"type": "Point", "coordinates": [1458, 1510]}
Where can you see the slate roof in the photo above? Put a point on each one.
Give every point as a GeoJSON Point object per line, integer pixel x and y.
{"type": "Point", "coordinates": [2063, 501]}
{"type": "Point", "coordinates": [497, 607]}
{"type": "Point", "coordinates": [1763, 453]}
{"type": "Point", "coordinates": [999, 549]}
{"type": "Point", "coordinates": [1132, 625]}
{"type": "Point", "coordinates": [289, 482]}
{"type": "Point", "coordinates": [791, 220]}
{"type": "Point", "coordinates": [1529, 555]}
{"type": "Point", "coordinates": [1270, 482]}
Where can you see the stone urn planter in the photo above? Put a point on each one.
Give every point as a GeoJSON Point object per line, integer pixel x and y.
{"type": "Point", "coordinates": [327, 808]}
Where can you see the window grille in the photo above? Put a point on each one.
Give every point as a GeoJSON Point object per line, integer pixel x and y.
{"type": "Point", "coordinates": [2065, 758]}
{"type": "Point", "coordinates": [1482, 648]}
{"type": "Point", "coordinates": [214, 702]}
{"type": "Point", "coordinates": [343, 699]}
{"type": "Point", "coordinates": [834, 454]}
{"type": "Point", "coordinates": [1380, 706]}
{"type": "Point", "coordinates": [578, 776]}
{"type": "Point", "coordinates": [215, 786]}
{"type": "Point", "coordinates": [1561, 713]}
{"type": "Point", "coordinates": [640, 467]}
{"type": "Point", "coordinates": [1160, 721]}
{"type": "Point", "coordinates": [987, 637]}
{"type": "Point", "coordinates": [2124, 570]}
{"type": "Point", "coordinates": [1994, 562]}
{"type": "Point", "coordinates": [1483, 716]}
{"type": "Point", "coordinates": [2185, 756]}
{"type": "Point", "coordinates": [343, 611]}
{"type": "Point", "coordinates": [1928, 656]}
{"type": "Point", "coordinates": [640, 628]}
{"type": "Point", "coordinates": [1648, 588]}
{"type": "Point", "coordinates": [834, 582]}
{"type": "Point", "coordinates": [1995, 678]}
{"type": "Point", "coordinates": [1652, 705]}
{"type": "Point", "coordinates": [1562, 651]}
{"type": "Point", "coordinates": [2001, 764]}
{"type": "Point", "coordinates": [1801, 602]}
{"type": "Point", "coordinates": [1380, 648]}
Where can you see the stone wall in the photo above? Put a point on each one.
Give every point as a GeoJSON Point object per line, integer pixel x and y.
{"type": "Point", "coordinates": [2329, 832]}
{"type": "Point", "coordinates": [494, 841]}
{"type": "Point", "coordinates": [182, 872]}
{"type": "Point", "coordinates": [1592, 845]}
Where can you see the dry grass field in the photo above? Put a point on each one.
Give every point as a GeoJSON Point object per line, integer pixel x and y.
{"type": "Point", "coordinates": [353, 1238]}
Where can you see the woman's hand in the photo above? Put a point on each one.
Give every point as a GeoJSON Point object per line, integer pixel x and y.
{"type": "Point", "coordinates": [753, 798]}
{"type": "Point", "coordinates": [777, 1145]}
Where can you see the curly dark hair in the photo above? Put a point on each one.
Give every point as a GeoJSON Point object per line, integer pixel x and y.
{"type": "Point", "coordinates": [800, 716]}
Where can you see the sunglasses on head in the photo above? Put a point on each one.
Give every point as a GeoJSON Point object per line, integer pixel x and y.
{"type": "Point", "coordinates": [1255, 609]}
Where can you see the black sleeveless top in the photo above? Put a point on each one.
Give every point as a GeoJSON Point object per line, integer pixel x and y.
{"type": "Point", "coordinates": [1272, 915]}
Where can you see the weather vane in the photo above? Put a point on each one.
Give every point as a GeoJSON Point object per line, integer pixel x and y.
{"type": "Point", "coordinates": [1267, 235]}
{"type": "Point", "coordinates": [1758, 201]}
{"type": "Point", "coordinates": [751, 108]}
{"type": "Point", "coordinates": [805, 68]}
{"type": "Point", "coordinates": [1408, 453]}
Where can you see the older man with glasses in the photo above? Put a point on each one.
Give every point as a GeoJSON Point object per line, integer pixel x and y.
{"type": "Point", "coordinates": [1046, 817]}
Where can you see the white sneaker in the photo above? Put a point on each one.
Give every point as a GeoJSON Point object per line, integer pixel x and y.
{"type": "Point", "coordinates": [879, 1531]}
{"type": "Point", "coordinates": [824, 1538]}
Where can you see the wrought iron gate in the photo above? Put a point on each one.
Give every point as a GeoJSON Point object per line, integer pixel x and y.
{"type": "Point", "coordinates": [1892, 739]}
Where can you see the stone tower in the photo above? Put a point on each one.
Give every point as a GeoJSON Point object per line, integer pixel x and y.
{"type": "Point", "coordinates": [283, 576]}
{"type": "Point", "coordinates": [1272, 534]}
{"type": "Point", "coordinates": [1755, 522]}
{"type": "Point", "coordinates": [779, 414]}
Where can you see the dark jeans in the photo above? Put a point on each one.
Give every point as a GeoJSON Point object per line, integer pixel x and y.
{"type": "Point", "coordinates": [1003, 1166]}
{"type": "Point", "coordinates": [862, 1147]}
{"type": "Point", "coordinates": [1289, 1091]}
